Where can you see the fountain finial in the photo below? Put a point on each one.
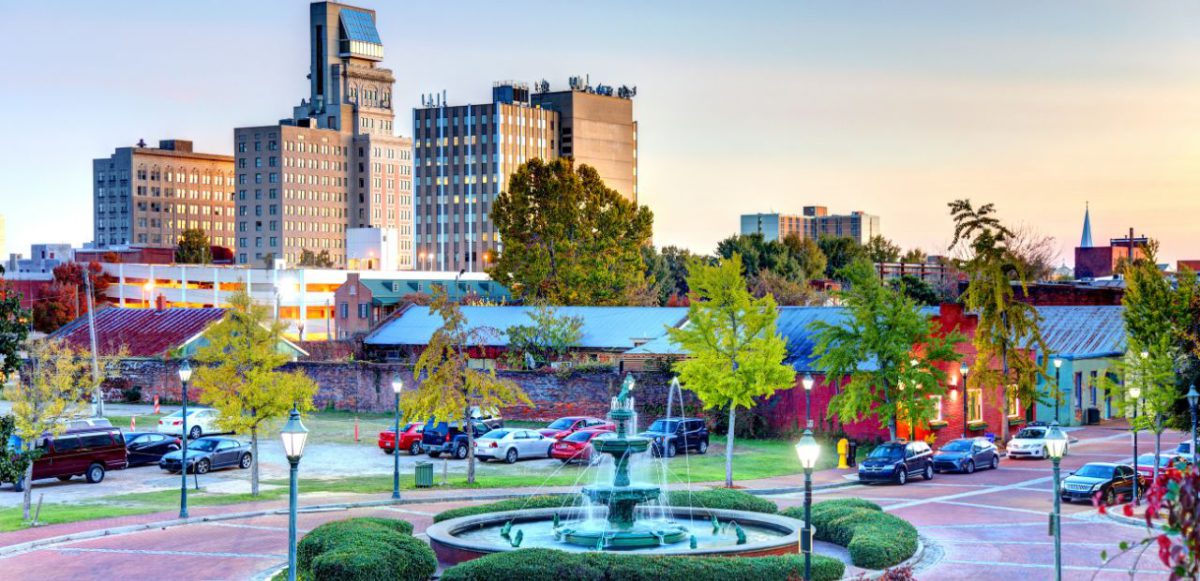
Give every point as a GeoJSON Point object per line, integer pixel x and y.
{"type": "Point", "coordinates": [626, 389]}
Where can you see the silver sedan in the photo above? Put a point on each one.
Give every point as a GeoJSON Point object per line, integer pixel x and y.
{"type": "Point", "coordinates": [512, 444]}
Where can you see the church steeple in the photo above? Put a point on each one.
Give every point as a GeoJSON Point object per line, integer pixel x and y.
{"type": "Point", "coordinates": [1086, 242]}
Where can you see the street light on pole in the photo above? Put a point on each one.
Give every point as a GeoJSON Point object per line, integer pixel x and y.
{"type": "Point", "coordinates": [1135, 393]}
{"type": "Point", "coordinates": [1193, 398]}
{"type": "Point", "coordinates": [185, 375]}
{"type": "Point", "coordinates": [963, 369]}
{"type": "Point", "coordinates": [808, 385]}
{"type": "Point", "coordinates": [1056, 445]}
{"type": "Point", "coordinates": [808, 450]}
{"type": "Point", "coordinates": [1057, 386]}
{"type": "Point", "coordinates": [294, 436]}
{"type": "Point", "coordinates": [397, 387]}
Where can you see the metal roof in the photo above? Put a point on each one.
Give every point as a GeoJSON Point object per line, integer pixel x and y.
{"type": "Point", "coordinates": [1083, 332]}
{"type": "Point", "coordinates": [391, 291]}
{"type": "Point", "coordinates": [603, 327]}
{"type": "Point", "coordinates": [142, 332]}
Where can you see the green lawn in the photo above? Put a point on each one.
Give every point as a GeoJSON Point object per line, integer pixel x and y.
{"type": "Point", "coordinates": [11, 518]}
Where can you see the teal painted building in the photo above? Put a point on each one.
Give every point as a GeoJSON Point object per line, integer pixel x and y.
{"type": "Point", "coordinates": [1085, 342]}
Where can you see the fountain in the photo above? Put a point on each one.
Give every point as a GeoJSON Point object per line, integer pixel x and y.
{"type": "Point", "coordinates": [616, 516]}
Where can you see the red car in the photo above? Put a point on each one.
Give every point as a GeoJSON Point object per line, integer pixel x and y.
{"type": "Point", "coordinates": [578, 446]}
{"type": "Point", "coordinates": [410, 439]}
{"type": "Point", "coordinates": [563, 427]}
{"type": "Point", "coordinates": [1145, 463]}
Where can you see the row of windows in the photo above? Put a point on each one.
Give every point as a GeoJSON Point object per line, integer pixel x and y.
{"type": "Point", "coordinates": [155, 174]}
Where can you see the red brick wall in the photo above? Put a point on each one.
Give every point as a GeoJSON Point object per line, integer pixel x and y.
{"type": "Point", "coordinates": [1068, 295]}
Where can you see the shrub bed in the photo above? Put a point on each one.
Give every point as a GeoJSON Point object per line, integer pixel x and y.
{"type": "Point", "coordinates": [542, 501]}
{"type": "Point", "coordinates": [552, 564]}
{"type": "Point", "coordinates": [362, 549]}
{"type": "Point", "coordinates": [875, 539]}
{"type": "Point", "coordinates": [715, 498]}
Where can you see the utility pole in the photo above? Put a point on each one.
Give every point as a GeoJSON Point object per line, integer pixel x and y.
{"type": "Point", "coordinates": [97, 396]}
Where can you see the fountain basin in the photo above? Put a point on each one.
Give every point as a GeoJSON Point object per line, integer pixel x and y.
{"type": "Point", "coordinates": [470, 537]}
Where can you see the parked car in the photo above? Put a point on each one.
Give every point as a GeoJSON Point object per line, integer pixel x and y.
{"type": "Point", "coordinates": [1030, 442]}
{"type": "Point", "coordinates": [1101, 478]}
{"type": "Point", "coordinates": [209, 454]}
{"type": "Point", "coordinates": [1145, 462]}
{"type": "Point", "coordinates": [448, 438]}
{"type": "Point", "coordinates": [577, 447]}
{"type": "Point", "coordinates": [512, 445]}
{"type": "Point", "coordinates": [897, 461]}
{"type": "Point", "coordinates": [88, 451]}
{"type": "Point", "coordinates": [490, 417]}
{"type": "Point", "coordinates": [410, 439]}
{"type": "Point", "coordinates": [149, 447]}
{"type": "Point", "coordinates": [563, 427]}
{"type": "Point", "coordinates": [201, 421]}
{"type": "Point", "coordinates": [675, 435]}
{"type": "Point", "coordinates": [966, 455]}
{"type": "Point", "coordinates": [1185, 449]}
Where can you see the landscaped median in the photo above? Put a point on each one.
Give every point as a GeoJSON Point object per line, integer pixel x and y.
{"type": "Point", "coordinates": [718, 498]}
{"type": "Point", "coordinates": [875, 539]}
{"type": "Point", "coordinates": [364, 549]}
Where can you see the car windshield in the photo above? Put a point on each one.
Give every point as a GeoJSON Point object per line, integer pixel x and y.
{"type": "Point", "coordinates": [561, 424]}
{"type": "Point", "coordinates": [664, 426]}
{"type": "Point", "coordinates": [1095, 471]}
{"type": "Point", "coordinates": [1031, 434]}
{"type": "Point", "coordinates": [203, 445]}
{"type": "Point", "coordinates": [579, 437]}
{"type": "Point", "coordinates": [887, 452]}
{"type": "Point", "coordinates": [957, 446]}
{"type": "Point", "coordinates": [495, 435]}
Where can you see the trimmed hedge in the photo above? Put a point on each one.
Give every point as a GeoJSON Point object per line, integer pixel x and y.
{"type": "Point", "coordinates": [875, 539]}
{"type": "Point", "coordinates": [363, 549]}
{"type": "Point", "coordinates": [715, 498]}
{"type": "Point", "coordinates": [552, 564]}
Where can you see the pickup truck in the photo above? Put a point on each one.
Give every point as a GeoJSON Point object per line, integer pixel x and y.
{"type": "Point", "coordinates": [448, 438]}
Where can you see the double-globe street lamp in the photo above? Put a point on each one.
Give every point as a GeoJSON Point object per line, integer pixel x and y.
{"type": "Point", "coordinates": [294, 436]}
{"type": "Point", "coordinates": [963, 370]}
{"type": "Point", "coordinates": [185, 375]}
{"type": "Point", "coordinates": [808, 450]}
{"type": "Point", "coordinates": [807, 382]}
{"type": "Point", "coordinates": [397, 387]}
{"type": "Point", "coordinates": [1056, 445]}
{"type": "Point", "coordinates": [1135, 393]}
{"type": "Point", "coordinates": [1193, 398]}
{"type": "Point", "coordinates": [1057, 386]}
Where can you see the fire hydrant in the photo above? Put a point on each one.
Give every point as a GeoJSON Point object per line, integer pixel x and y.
{"type": "Point", "coordinates": [842, 447]}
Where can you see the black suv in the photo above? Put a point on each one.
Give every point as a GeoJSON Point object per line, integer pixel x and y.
{"type": "Point", "coordinates": [896, 462]}
{"type": "Point", "coordinates": [675, 435]}
{"type": "Point", "coordinates": [442, 438]}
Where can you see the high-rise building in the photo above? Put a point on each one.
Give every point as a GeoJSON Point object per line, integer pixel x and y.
{"type": "Point", "coordinates": [815, 222]}
{"type": "Point", "coordinates": [147, 196]}
{"type": "Point", "coordinates": [336, 163]}
{"type": "Point", "coordinates": [463, 156]}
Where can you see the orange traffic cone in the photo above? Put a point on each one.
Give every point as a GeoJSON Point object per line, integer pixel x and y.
{"type": "Point", "coordinates": [156, 405]}
{"type": "Point", "coordinates": [356, 430]}
{"type": "Point", "coordinates": [133, 423]}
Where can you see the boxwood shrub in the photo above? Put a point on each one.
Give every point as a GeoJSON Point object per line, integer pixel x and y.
{"type": "Point", "coordinates": [715, 498]}
{"type": "Point", "coordinates": [875, 539]}
{"type": "Point", "coordinates": [361, 549]}
{"type": "Point", "coordinates": [552, 564]}
{"type": "Point", "coordinates": [542, 501]}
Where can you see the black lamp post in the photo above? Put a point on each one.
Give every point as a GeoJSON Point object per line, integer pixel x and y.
{"type": "Point", "coordinates": [397, 387]}
{"type": "Point", "coordinates": [294, 436]}
{"type": "Point", "coordinates": [808, 450]}
{"type": "Point", "coordinates": [1056, 445]}
{"type": "Point", "coordinates": [1135, 393]}
{"type": "Point", "coordinates": [185, 375]}
{"type": "Point", "coordinates": [1057, 386]}
{"type": "Point", "coordinates": [1193, 401]}
{"type": "Point", "coordinates": [963, 370]}
{"type": "Point", "coordinates": [807, 382]}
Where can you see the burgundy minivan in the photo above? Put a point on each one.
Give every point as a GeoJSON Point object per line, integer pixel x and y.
{"type": "Point", "coordinates": [85, 451]}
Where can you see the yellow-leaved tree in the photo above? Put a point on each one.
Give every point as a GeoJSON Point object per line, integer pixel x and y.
{"type": "Point", "coordinates": [239, 374]}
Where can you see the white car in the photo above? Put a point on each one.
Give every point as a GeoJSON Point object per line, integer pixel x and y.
{"type": "Point", "coordinates": [201, 422]}
{"type": "Point", "coordinates": [1031, 443]}
{"type": "Point", "coordinates": [512, 445]}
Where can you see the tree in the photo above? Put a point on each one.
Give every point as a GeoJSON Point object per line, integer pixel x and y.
{"type": "Point", "coordinates": [734, 351]}
{"type": "Point", "coordinates": [546, 339]}
{"type": "Point", "coordinates": [1036, 253]}
{"type": "Point", "coordinates": [887, 352]}
{"type": "Point", "coordinates": [914, 256]}
{"type": "Point", "coordinates": [451, 387]}
{"type": "Point", "coordinates": [320, 259]}
{"type": "Point", "coordinates": [1008, 329]}
{"type": "Point", "coordinates": [917, 289]}
{"type": "Point", "coordinates": [193, 248]}
{"type": "Point", "coordinates": [568, 238]}
{"type": "Point", "coordinates": [807, 254]}
{"type": "Point", "coordinates": [785, 292]}
{"type": "Point", "coordinates": [14, 329]}
{"type": "Point", "coordinates": [66, 296]}
{"type": "Point", "coordinates": [239, 374]}
{"type": "Point", "coordinates": [52, 389]}
{"type": "Point", "coordinates": [880, 249]}
{"type": "Point", "coordinates": [839, 253]}
{"type": "Point", "coordinates": [758, 254]}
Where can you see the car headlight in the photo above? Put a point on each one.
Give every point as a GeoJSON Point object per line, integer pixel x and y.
{"type": "Point", "coordinates": [1097, 487]}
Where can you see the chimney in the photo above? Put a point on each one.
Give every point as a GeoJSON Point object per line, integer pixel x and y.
{"type": "Point", "coordinates": [160, 303]}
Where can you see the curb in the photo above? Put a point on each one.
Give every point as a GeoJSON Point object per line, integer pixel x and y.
{"type": "Point", "coordinates": [792, 489]}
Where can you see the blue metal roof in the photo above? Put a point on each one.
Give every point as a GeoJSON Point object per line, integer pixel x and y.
{"type": "Point", "coordinates": [603, 327]}
{"type": "Point", "coordinates": [1083, 332]}
{"type": "Point", "coordinates": [359, 26]}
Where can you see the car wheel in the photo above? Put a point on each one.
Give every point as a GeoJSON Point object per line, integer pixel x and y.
{"type": "Point", "coordinates": [969, 468]}
{"type": "Point", "coordinates": [703, 447]}
{"type": "Point", "coordinates": [65, 478]}
{"type": "Point", "coordinates": [246, 461]}
{"type": "Point", "coordinates": [202, 467]}
{"type": "Point", "coordinates": [414, 449]}
{"type": "Point", "coordinates": [389, 451]}
{"type": "Point", "coordinates": [672, 450]}
{"type": "Point", "coordinates": [1045, 452]}
{"type": "Point", "coordinates": [460, 452]}
{"type": "Point", "coordinates": [195, 433]}
{"type": "Point", "coordinates": [902, 477]}
{"type": "Point", "coordinates": [511, 456]}
{"type": "Point", "coordinates": [928, 472]}
{"type": "Point", "coordinates": [95, 473]}
{"type": "Point", "coordinates": [995, 461]}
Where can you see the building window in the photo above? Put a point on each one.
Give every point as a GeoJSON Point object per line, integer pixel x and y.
{"type": "Point", "coordinates": [1092, 389]}
{"type": "Point", "coordinates": [974, 405]}
{"type": "Point", "coordinates": [1078, 390]}
{"type": "Point", "coordinates": [345, 308]}
{"type": "Point", "coordinates": [1014, 402]}
{"type": "Point", "coordinates": [363, 310]}
{"type": "Point", "coordinates": [938, 417]}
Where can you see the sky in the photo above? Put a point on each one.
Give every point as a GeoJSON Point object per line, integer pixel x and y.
{"type": "Point", "coordinates": [892, 108]}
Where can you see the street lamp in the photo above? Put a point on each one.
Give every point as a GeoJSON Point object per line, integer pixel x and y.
{"type": "Point", "coordinates": [1193, 400]}
{"type": "Point", "coordinates": [964, 369]}
{"type": "Point", "coordinates": [1057, 386]}
{"type": "Point", "coordinates": [397, 387]}
{"type": "Point", "coordinates": [1056, 445]}
{"type": "Point", "coordinates": [808, 450]}
{"type": "Point", "coordinates": [185, 375]}
{"type": "Point", "coordinates": [1135, 392]}
{"type": "Point", "coordinates": [294, 436]}
{"type": "Point", "coordinates": [148, 293]}
{"type": "Point", "coordinates": [807, 382]}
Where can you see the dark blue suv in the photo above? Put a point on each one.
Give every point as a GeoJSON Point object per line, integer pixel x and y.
{"type": "Point", "coordinates": [448, 438]}
{"type": "Point", "coordinates": [897, 462]}
{"type": "Point", "coordinates": [673, 436]}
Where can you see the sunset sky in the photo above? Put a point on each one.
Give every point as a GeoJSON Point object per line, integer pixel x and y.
{"type": "Point", "coordinates": [893, 108]}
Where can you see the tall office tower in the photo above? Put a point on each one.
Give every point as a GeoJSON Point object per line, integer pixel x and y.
{"type": "Point", "coordinates": [815, 222]}
{"type": "Point", "coordinates": [146, 196]}
{"type": "Point", "coordinates": [336, 163]}
{"type": "Point", "coordinates": [463, 156]}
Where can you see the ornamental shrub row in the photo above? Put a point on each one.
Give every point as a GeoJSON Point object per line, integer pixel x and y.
{"type": "Point", "coordinates": [875, 539]}
{"type": "Point", "coordinates": [552, 564]}
{"type": "Point", "coordinates": [715, 498]}
{"type": "Point", "coordinates": [364, 549]}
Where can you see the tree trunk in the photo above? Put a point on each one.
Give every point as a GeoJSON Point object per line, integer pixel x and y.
{"type": "Point", "coordinates": [1004, 392]}
{"type": "Point", "coordinates": [254, 461]}
{"type": "Point", "coordinates": [728, 448]}
{"type": "Point", "coordinates": [470, 447]}
{"type": "Point", "coordinates": [1158, 430]}
{"type": "Point", "coordinates": [887, 401]}
{"type": "Point", "coordinates": [27, 500]}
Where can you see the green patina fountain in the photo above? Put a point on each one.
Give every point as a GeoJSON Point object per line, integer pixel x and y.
{"type": "Point", "coordinates": [621, 529]}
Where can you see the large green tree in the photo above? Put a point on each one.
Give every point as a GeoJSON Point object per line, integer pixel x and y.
{"type": "Point", "coordinates": [14, 328]}
{"type": "Point", "coordinates": [546, 338]}
{"type": "Point", "coordinates": [320, 259]}
{"type": "Point", "coordinates": [568, 239]}
{"type": "Point", "coordinates": [193, 247]}
{"type": "Point", "coordinates": [888, 353]}
{"type": "Point", "coordinates": [240, 374]}
{"type": "Point", "coordinates": [807, 254]}
{"type": "Point", "coordinates": [734, 351]}
{"type": "Point", "coordinates": [880, 249]}
{"type": "Point", "coordinates": [839, 252]}
{"type": "Point", "coordinates": [1008, 329]}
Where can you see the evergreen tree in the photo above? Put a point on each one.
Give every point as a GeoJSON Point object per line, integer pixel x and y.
{"type": "Point", "coordinates": [14, 328]}
{"type": "Point", "coordinates": [880, 249]}
{"type": "Point", "coordinates": [193, 248]}
{"type": "Point", "coordinates": [839, 252]}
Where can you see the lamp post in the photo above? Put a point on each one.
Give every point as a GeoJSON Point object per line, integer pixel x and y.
{"type": "Point", "coordinates": [808, 450]}
{"type": "Point", "coordinates": [1193, 400]}
{"type": "Point", "coordinates": [808, 385]}
{"type": "Point", "coordinates": [294, 436]}
{"type": "Point", "coordinates": [185, 375]}
{"type": "Point", "coordinates": [397, 387]}
{"type": "Point", "coordinates": [1135, 393]}
{"type": "Point", "coordinates": [1056, 445]}
{"type": "Point", "coordinates": [1057, 386]}
{"type": "Point", "coordinates": [963, 370]}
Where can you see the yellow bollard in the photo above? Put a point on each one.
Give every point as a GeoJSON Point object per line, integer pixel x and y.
{"type": "Point", "coordinates": [843, 447]}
